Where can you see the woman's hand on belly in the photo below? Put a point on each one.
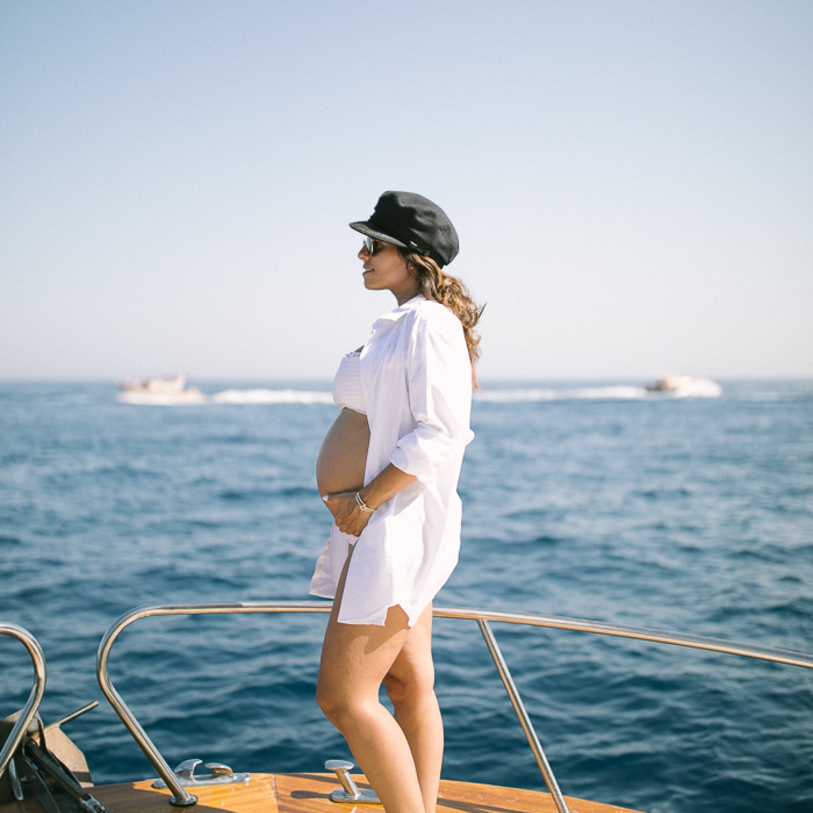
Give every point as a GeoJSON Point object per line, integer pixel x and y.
{"type": "Point", "coordinates": [346, 508]}
{"type": "Point", "coordinates": [334, 502]}
{"type": "Point", "coordinates": [349, 517]}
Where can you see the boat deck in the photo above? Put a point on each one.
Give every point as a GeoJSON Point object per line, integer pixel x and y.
{"type": "Point", "coordinates": [310, 793]}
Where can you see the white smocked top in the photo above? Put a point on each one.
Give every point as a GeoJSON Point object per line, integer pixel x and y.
{"type": "Point", "coordinates": [347, 392]}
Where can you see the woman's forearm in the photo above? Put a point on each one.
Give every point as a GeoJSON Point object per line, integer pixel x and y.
{"type": "Point", "coordinates": [386, 484]}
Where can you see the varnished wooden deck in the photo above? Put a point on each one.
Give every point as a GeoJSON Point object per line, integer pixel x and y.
{"type": "Point", "coordinates": [310, 793]}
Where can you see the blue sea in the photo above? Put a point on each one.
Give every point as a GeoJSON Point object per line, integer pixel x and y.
{"type": "Point", "coordinates": [591, 500]}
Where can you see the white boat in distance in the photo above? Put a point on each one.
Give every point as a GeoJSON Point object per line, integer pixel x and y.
{"type": "Point", "coordinates": [162, 390]}
{"type": "Point", "coordinates": [678, 384]}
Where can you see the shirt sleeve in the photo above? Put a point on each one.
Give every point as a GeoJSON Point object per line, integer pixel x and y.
{"type": "Point", "coordinates": [439, 389]}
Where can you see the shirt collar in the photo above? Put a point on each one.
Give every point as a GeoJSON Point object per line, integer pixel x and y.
{"type": "Point", "coordinates": [398, 313]}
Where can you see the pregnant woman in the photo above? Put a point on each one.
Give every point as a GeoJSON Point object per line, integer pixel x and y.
{"type": "Point", "coordinates": [388, 471]}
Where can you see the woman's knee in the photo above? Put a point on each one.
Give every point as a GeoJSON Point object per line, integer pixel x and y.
{"type": "Point", "coordinates": [341, 704]}
{"type": "Point", "coordinates": [409, 688]}
{"type": "Point", "coordinates": [333, 703]}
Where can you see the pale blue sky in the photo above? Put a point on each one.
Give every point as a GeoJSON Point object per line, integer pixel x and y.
{"type": "Point", "coordinates": [632, 181]}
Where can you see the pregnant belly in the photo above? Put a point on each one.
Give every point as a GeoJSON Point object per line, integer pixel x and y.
{"type": "Point", "coordinates": [343, 456]}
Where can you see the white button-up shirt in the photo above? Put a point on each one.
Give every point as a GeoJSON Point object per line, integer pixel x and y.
{"type": "Point", "coordinates": [416, 380]}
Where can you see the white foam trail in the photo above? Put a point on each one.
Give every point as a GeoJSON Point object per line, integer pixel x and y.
{"type": "Point", "coordinates": [543, 394]}
{"type": "Point", "coordinates": [289, 396]}
{"type": "Point", "coordinates": [233, 396]}
{"type": "Point", "coordinates": [695, 388]}
{"type": "Point", "coordinates": [156, 399]}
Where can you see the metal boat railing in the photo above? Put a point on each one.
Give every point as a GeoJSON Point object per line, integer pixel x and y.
{"type": "Point", "coordinates": [182, 798]}
{"type": "Point", "coordinates": [34, 698]}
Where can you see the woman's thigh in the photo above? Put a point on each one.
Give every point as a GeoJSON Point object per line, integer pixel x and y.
{"type": "Point", "coordinates": [356, 657]}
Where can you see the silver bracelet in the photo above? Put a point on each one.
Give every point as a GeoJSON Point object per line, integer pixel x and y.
{"type": "Point", "coordinates": [364, 507]}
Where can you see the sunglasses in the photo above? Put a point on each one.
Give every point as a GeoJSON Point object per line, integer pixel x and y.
{"type": "Point", "coordinates": [370, 245]}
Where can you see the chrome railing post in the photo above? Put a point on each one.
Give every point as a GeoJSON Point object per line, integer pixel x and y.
{"type": "Point", "coordinates": [180, 797]}
{"type": "Point", "coordinates": [524, 719]}
{"type": "Point", "coordinates": [34, 698]}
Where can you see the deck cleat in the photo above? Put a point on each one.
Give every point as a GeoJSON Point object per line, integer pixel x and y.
{"type": "Point", "coordinates": [220, 775]}
{"type": "Point", "coordinates": [349, 791]}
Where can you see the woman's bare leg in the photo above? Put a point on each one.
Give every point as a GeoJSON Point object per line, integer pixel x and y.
{"type": "Point", "coordinates": [355, 660]}
{"type": "Point", "coordinates": [410, 686]}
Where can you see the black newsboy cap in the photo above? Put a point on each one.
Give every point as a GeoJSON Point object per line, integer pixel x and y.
{"type": "Point", "coordinates": [412, 222]}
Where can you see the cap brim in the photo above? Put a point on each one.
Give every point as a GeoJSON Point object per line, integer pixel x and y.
{"type": "Point", "coordinates": [362, 227]}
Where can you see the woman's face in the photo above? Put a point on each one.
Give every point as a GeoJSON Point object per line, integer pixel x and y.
{"type": "Point", "coordinates": [386, 270]}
